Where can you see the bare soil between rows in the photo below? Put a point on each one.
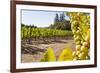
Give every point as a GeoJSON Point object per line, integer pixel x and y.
{"type": "Point", "coordinates": [34, 52]}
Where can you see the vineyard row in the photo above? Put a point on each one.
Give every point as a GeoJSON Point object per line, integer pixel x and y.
{"type": "Point", "coordinates": [27, 33]}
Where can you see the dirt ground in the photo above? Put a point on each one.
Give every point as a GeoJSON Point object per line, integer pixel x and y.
{"type": "Point", "coordinates": [57, 47]}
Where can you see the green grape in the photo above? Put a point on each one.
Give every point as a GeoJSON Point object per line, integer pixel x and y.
{"type": "Point", "coordinates": [78, 32]}
{"type": "Point", "coordinates": [73, 31]}
{"type": "Point", "coordinates": [78, 52]}
{"type": "Point", "coordinates": [84, 49]}
{"type": "Point", "coordinates": [85, 44]}
{"type": "Point", "coordinates": [87, 38]}
{"type": "Point", "coordinates": [75, 58]}
{"type": "Point", "coordinates": [74, 54]}
{"type": "Point", "coordinates": [78, 47]}
{"type": "Point", "coordinates": [77, 38]}
{"type": "Point", "coordinates": [87, 57]}
{"type": "Point", "coordinates": [78, 42]}
{"type": "Point", "coordinates": [82, 56]}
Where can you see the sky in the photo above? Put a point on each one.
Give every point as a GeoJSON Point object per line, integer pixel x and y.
{"type": "Point", "coordinates": [39, 18]}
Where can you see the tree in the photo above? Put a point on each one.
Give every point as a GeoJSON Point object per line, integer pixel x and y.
{"type": "Point", "coordinates": [67, 24]}
{"type": "Point", "coordinates": [33, 26]}
{"type": "Point", "coordinates": [22, 25]}
{"type": "Point", "coordinates": [62, 17]}
{"type": "Point", "coordinates": [61, 23]}
{"type": "Point", "coordinates": [56, 18]}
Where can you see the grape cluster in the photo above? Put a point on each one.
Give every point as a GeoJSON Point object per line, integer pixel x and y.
{"type": "Point", "coordinates": [80, 25]}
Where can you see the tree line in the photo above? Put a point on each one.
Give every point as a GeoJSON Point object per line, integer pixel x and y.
{"type": "Point", "coordinates": [61, 23]}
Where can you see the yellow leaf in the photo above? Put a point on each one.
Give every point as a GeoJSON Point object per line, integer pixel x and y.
{"type": "Point", "coordinates": [49, 55]}
{"type": "Point", "coordinates": [66, 55]}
